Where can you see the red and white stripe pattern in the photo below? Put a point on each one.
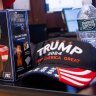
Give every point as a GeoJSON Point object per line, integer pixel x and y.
{"type": "Point", "coordinates": [4, 53]}
{"type": "Point", "coordinates": [75, 76]}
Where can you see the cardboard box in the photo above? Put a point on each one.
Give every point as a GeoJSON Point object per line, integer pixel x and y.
{"type": "Point", "coordinates": [15, 52]}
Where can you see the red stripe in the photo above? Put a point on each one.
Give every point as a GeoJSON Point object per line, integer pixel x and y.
{"type": "Point", "coordinates": [3, 51]}
{"type": "Point", "coordinates": [74, 82]}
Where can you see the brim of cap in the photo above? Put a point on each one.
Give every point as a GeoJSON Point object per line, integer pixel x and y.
{"type": "Point", "coordinates": [75, 77]}
{"type": "Point", "coordinates": [7, 3]}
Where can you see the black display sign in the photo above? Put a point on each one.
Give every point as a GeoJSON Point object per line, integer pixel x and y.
{"type": "Point", "coordinates": [15, 52]}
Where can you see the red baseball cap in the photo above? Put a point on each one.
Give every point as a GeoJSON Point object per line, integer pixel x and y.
{"type": "Point", "coordinates": [7, 3]}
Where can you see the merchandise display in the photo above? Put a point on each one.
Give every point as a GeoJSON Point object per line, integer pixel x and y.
{"type": "Point", "coordinates": [35, 61]}
{"type": "Point", "coordinates": [65, 60]}
{"type": "Point", "coordinates": [15, 52]}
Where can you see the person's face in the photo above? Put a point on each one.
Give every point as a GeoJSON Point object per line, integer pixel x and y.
{"type": "Point", "coordinates": [18, 49]}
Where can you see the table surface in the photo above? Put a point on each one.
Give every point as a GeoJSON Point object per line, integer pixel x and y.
{"type": "Point", "coordinates": [30, 87]}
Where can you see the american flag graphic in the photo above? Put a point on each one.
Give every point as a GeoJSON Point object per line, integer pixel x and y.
{"type": "Point", "coordinates": [4, 53]}
{"type": "Point", "coordinates": [75, 76]}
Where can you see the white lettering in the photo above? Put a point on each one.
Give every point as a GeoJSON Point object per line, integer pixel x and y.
{"type": "Point", "coordinates": [63, 48]}
{"type": "Point", "coordinates": [55, 53]}
{"type": "Point", "coordinates": [55, 46]}
{"type": "Point", "coordinates": [46, 48]}
{"type": "Point", "coordinates": [40, 51]}
{"type": "Point", "coordinates": [76, 50]}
